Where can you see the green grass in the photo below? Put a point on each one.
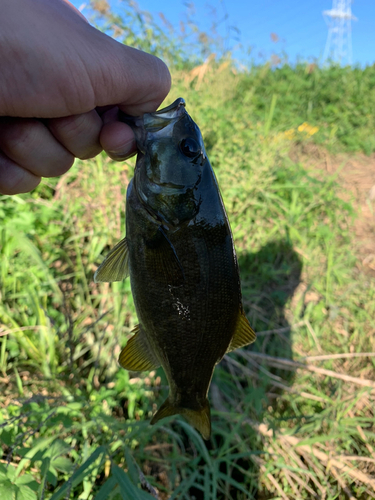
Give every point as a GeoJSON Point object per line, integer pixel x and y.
{"type": "Point", "coordinates": [75, 425]}
{"type": "Point", "coordinates": [339, 101]}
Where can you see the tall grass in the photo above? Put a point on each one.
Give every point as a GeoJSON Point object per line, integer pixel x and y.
{"type": "Point", "coordinates": [292, 415]}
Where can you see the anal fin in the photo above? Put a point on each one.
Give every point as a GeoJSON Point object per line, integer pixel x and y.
{"type": "Point", "coordinates": [115, 266]}
{"type": "Point", "coordinates": [137, 355]}
{"type": "Point", "coordinates": [243, 334]}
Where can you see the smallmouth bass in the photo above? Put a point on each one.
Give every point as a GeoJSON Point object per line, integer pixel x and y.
{"type": "Point", "coordinates": [180, 256]}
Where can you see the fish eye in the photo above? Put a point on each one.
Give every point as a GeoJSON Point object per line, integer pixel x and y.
{"type": "Point", "coordinates": [189, 147]}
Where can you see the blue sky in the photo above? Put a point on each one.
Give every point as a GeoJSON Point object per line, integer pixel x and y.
{"type": "Point", "coordinates": [299, 25]}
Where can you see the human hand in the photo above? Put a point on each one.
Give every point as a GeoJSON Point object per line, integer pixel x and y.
{"type": "Point", "coordinates": [61, 84]}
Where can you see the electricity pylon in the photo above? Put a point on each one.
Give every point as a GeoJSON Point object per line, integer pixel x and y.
{"type": "Point", "coordinates": [339, 41]}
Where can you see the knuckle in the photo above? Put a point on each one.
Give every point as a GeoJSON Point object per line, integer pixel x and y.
{"type": "Point", "coordinates": [78, 134]}
{"type": "Point", "coordinates": [68, 126]}
{"type": "Point", "coordinates": [19, 135]}
{"type": "Point", "coordinates": [91, 153]}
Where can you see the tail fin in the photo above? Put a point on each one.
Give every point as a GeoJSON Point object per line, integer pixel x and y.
{"type": "Point", "coordinates": [199, 419]}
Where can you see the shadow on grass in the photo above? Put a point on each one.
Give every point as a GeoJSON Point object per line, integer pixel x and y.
{"type": "Point", "coordinates": [269, 279]}
{"type": "Point", "coordinates": [246, 388]}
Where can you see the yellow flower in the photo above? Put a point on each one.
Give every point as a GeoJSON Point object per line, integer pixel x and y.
{"type": "Point", "coordinates": [290, 134]}
{"type": "Point", "coordinates": [308, 129]}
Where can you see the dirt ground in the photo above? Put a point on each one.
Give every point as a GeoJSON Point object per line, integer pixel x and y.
{"type": "Point", "coordinates": [356, 175]}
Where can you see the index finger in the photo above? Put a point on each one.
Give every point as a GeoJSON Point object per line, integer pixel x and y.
{"type": "Point", "coordinates": [117, 138]}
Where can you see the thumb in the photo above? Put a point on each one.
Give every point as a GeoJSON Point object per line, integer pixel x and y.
{"type": "Point", "coordinates": [69, 66]}
{"type": "Point", "coordinates": [140, 82]}
{"type": "Point", "coordinates": [135, 81]}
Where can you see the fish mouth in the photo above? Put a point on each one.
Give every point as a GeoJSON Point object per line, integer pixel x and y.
{"type": "Point", "coordinates": [171, 111]}
{"type": "Point", "coordinates": [156, 121]}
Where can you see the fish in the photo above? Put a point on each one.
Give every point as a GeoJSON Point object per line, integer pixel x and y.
{"type": "Point", "coordinates": [180, 257]}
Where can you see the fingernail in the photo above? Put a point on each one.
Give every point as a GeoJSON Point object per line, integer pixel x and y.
{"type": "Point", "coordinates": [120, 155]}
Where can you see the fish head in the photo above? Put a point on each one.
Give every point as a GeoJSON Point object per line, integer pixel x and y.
{"type": "Point", "coordinates": [170, 162]}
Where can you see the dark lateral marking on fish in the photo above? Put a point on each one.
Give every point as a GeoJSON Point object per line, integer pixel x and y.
{"type": "Point", "coordinates": [163, 260]}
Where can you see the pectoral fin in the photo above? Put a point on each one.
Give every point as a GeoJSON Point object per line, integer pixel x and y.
{"type": "Point", "coordinates": [115, 266]}
{"type": "Point", "coordinates": [162, 259]}
{"type": "Point", "coordinates": [137, 355]}
{"type": "Point", "coordinates": [243, 334]}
